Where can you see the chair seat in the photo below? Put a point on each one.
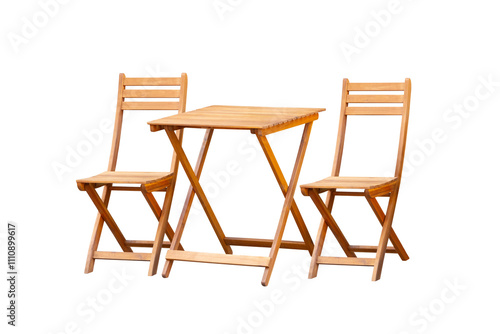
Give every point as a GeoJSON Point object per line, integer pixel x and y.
{"type": "Point", "coordinates": [349, 182]}
{"type": "Point", "coordinates": [149, 180]}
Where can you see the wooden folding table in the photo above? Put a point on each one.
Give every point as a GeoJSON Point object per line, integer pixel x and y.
{"type": "Point", "coordinates": [261, 121]}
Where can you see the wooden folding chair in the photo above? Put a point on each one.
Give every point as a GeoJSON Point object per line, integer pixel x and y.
{"type": "Point", "coordinates": [372, 186]}
{"type": "Point", "coordinates": [146, 182]}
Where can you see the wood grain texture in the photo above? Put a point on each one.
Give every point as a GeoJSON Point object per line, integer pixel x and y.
{"type": "Point", "coordinates": [155, 93]}
{"type": "Point", "coordinates": [375, 98]}
{"type": "Point", "coordinates": [239, 118]}
{"type": "Point", "coordinates": [242, 260]}
{"type": "Point", "coordinates": [367, 111]}
{"type": "Point", "coordinates": [145, 243]}
{"type": "Point", "coordinates": [127, 177]}
{"type": "Point", "coordinates": [150, 105]}
{"type": "Point", "coordinates": [152, 81]}
{"type": "Point", "coordinates": [253, 242]}
{"type": "Point", "coordinates": [122, 256]}
{"type": "Point", "coordinates": [370, 249]}
{"type": "Point", "coordinates": [377, 86]}
{"type": "Point", "coordinates": [350, 261]}
{"type": "Point", "coordinates": [349, 182]}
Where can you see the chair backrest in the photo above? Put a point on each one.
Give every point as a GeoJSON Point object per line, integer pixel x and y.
{"type": "Point", "coordinates": [126, 96]}
{"type": "Point", "coordinates": [375, 104]}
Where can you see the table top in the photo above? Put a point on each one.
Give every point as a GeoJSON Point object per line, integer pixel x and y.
{"type": "Point", "coordinates": [262, 120]}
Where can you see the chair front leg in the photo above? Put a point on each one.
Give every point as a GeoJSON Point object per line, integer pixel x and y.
{"type": "Point", "coordinates": [320, 238]}
{"type": "Point", "coordinates": [163, 226]}
{"type": "Point", "coordinates": [328, 218]}
{"type": "Point", "coordinates": [384, 237]}
{"type": "Point", "coordinates": [103, 210]}
{"type": "Point", "coordinates": [96, 233]}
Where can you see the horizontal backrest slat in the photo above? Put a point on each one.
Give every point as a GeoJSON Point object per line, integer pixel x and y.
{"type": "Point", "coordinates": [152, 81]}
{"type": "Point", "coordinates": [366, 86]}
{"type": "Point", "coordinates": [151, 93]}
{"type": "Point", "coordinates": [150, 105]}
{"type": "Point", "coordinates": [375, 98]}
{"type": "Point", "coordinates": [374, 110]}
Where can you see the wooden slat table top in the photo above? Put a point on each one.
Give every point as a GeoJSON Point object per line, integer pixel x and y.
{"type": "Point", "coordinates": [237, 117]}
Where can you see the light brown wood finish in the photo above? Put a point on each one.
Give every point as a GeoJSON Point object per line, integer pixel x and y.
{"type": "Point", "coordinates": [153, 81]}
{"type": "Point", "coordinates": [346, 261]}
{"type": "Point", "coordinates": [373, 186]}
{"type": "Point", "coordinates": [189, 200]}
{"type": "Point", "coordinates": [288, 203]}
{"type": "Point", "coordinates": [198, 189]}
{"type": "Point", "coordinates": [145, 243]}
{"type": "Point", "coordinates": [96, 232]}
{"type": "Point", "coordinates": [332, 224]}
{"type": "Point", "coordinates": [122, 256]}
{"type": "Point", "coordinates": [271, 158]}
{"type": "Point", "coordinates": [156, 93]}
{"type": "Point", "coordinates": [375, 98]}
{"type": "Point", "coordinates": [103, 210]}
{"type": "Point", "coordinates": [374, 111]}
{"type": "Point", "coordinates": [241, 260]}
{"type": "Point", "coordinates": [150, 105]}
{"type": "Point", "coordinates": [330, 197]}
{"type": "Point", "coordinates": [349, 182]}
{"type": "Point", "coordinates": [370, 249]}
{"type": "Point", "coordinates": [257, 119]}
{"type": "Point", "coordinates": [252, 242]}
{"type": "Point", "coordinates": [147, 182]}
{"type": "Point", "coordinates": [260, 121]}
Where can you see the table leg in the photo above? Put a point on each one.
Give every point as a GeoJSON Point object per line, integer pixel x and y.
{"type": "Point", "coordinates": [288, 204]}
{"type": "Point", "coordinates": [176, 241]}
{"type": "Point", "coordinates": [271, 158]}
{"type": "Point", "coordinates": [195, 183]}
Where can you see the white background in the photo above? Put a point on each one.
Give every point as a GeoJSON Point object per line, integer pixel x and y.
{"type": "Point", "coordinates": [59, 82]}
